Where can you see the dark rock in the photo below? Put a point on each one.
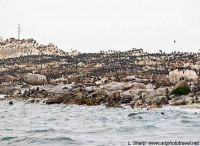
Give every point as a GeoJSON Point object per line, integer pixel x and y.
{"type": "Point", "coordinates": [56, 100]}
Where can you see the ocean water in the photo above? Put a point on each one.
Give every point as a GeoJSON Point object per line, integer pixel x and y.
{"type": "Point", "coordinates": [23, 124]}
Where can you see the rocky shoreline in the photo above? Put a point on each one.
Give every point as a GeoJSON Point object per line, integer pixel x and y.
{"type": "Point", "coordinates": [113, 78]}
{"type": "Point", "coordinates": [112, 94]}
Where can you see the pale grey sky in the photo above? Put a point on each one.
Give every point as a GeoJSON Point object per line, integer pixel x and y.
{"type": "Point", "coordinates": [93, 25]}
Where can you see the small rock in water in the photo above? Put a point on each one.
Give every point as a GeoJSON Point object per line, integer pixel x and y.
{"type": "Point", "coordinates": [11, 102]}
{"type": "Point", "coordinates": [162, 113]}
{"type": "Point", "coordinates": [132, 114]}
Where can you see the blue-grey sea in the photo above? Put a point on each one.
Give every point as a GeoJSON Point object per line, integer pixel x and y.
{"type": "Point", "coordinates": [24, 124]}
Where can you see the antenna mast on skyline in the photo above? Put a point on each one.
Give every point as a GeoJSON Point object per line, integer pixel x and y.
{"type": "Point", "coordinates": [19, 31]}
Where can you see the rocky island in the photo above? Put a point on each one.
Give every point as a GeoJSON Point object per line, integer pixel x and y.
{"type": "Point", "coordinates": [46, 74]}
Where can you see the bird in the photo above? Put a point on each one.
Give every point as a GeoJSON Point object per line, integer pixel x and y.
{"type": "Point", "coordinates": [10, 102]}
{"type": "Point", "coordinates": [162, 113]}
{"type": "Point", "coordinates": [174, 41]}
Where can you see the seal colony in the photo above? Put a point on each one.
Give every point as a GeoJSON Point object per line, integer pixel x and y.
{"type": "Point", "coordinates": [45, 74]}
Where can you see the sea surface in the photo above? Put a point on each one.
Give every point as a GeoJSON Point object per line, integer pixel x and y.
{"type": "Point", "coordinates": [23, 124]}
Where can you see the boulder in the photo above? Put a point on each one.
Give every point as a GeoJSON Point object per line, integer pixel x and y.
{"type": "Point", "coordinates": [35, 79]}
{"type": "Point", "coordinates": [172, 102]}
{"type": "Point", "coordinates": [180, 102]}
{"type": "Point", "coordinates": [88, 101]}
{"type": "Point", "coordinates": [189, 100]}
{"type": "Point", "coordinates": [78, 96]}
{"type": "Point", "coordinates": [131, 92]}
{"type": "Point", "coordinates": [181, 88]}
{"type": "Point", "coordinates": [90, 89]}
{"type": "Point", "coordinates": [115, 86]}
{"type": "Point", "coordinates": [157, 103]}
{"type": "Point", "coordinates": [99, 93]}
{"type": "Point", "coordinates": [56, 100]}
{"type": "Point", "coordinates": [115, 96]}
{"type": "Point", "coordinates": [130, 78]}
{"type": "Point", "coordinates": [149, 101]}
{"type": "Point", "coordinates": [188, 75]}
{"type": "Point", "coordinates": [155, 99]}
{"type": "Point", "coordinates": [4, 90]}
{"type": "Point", "coordinates": [197, 93]}
{"type": "Point", "coordinates": [163, 100]}
{"type": "Point", "coordinates": [138, 103]}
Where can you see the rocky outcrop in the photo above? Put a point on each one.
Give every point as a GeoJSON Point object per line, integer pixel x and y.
{"type": "Point", "coordinates": [187, 75]}
{"type": "Point", "coordinates": [11, 48]}
{"type": "Point", "coordinates": [121, 79]}
{"type": "Point", "coordinates": [181, 88]}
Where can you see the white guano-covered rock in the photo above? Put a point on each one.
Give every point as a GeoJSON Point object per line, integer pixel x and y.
{"type": "Point", "coordinates": [188, 75]}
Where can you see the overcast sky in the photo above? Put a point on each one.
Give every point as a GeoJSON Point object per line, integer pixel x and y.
{"type": "Point", "coordinates": [93, 25]}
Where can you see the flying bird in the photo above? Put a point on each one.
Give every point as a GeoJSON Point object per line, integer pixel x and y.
{"type": "Point", "coordinates": [174, 41]}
